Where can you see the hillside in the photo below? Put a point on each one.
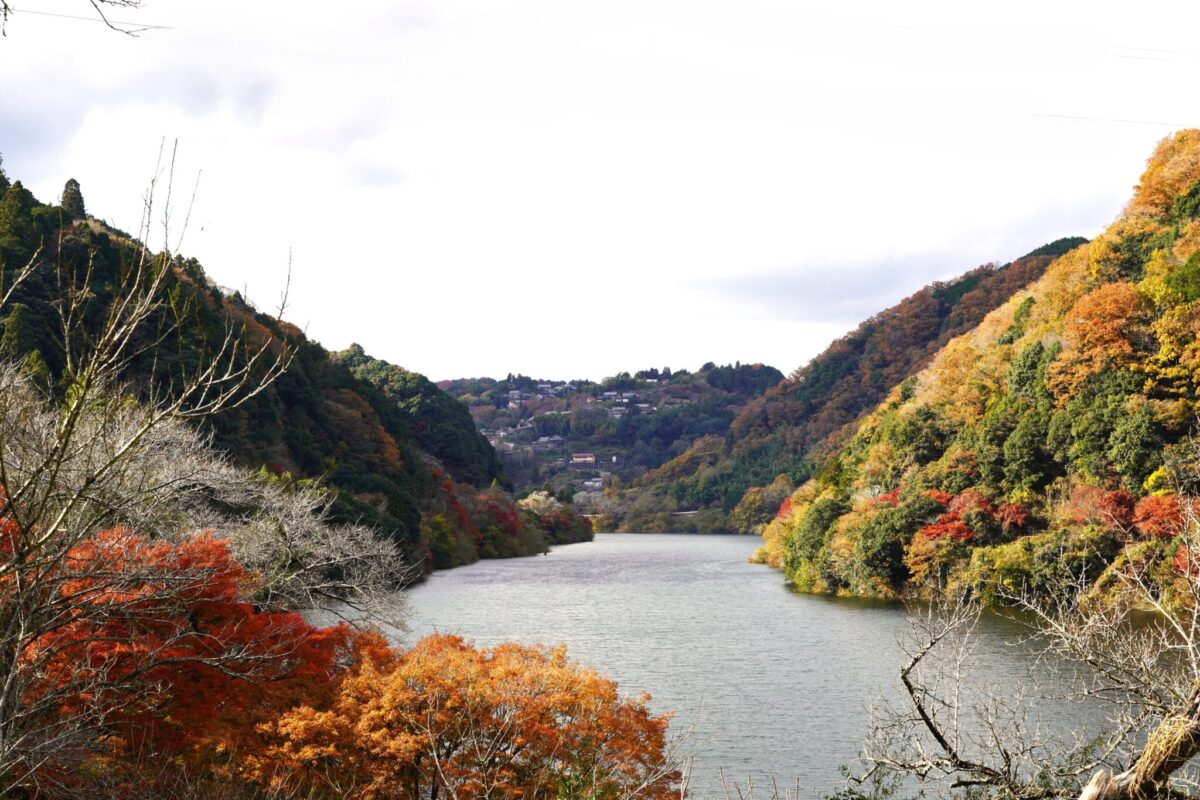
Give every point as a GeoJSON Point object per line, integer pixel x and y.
{"type": "Point", "coordinates": [737, 479]}
{"type": "Point", "coordinates": [438, 423]}
{"type": "Point", "coordinates": [402, 457]}
{"type": "Point", "coordinates": [1055, 435]}
{"type": "Point", "coordinates": [574, 436]}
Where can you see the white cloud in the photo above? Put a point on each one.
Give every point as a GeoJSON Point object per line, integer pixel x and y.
{"type": "Point", "coordinates": [569, 189]}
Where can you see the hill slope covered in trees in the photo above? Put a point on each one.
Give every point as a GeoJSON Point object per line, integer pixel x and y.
{"type": "Point", "coordinates": [1054, 436]}
{"type": "Point", "coordinates": [570, 436]}
{"type": "Point", "coordinates": [769, 446]}
{"type": "Point", "coordinates": [408, 462]}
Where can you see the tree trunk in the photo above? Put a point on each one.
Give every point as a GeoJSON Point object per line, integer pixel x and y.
{"type": "Point", "coordinates": [1171, 745]}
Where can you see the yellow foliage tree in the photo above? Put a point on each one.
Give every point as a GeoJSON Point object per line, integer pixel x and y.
{"type": "Point", "coordinates": [447, 719]}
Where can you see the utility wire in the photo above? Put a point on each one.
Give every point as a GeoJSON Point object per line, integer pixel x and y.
{"type": "Point", "coordinates": [137, 25]}
{"type": "Point", "coordinates": [1084, 118]}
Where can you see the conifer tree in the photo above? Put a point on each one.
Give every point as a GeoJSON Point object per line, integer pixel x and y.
{"type": "Point", "coordinates": [19, 345]}
{"type": "Point", "coordinates": [72, 200]}
{"type": "Point", "coordinates": [18, 338]}
{"type": "Point", "coordinates": [17, 233]}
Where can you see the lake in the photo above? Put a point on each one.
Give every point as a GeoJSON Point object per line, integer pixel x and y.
{"type": "Point", "coordinates": [772, 683]}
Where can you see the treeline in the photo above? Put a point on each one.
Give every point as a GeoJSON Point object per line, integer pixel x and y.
{"type": "Point", "coordinates": [439, 424]}
{"type": "Point", "coordinates": [395, 450]}
{"type": "Point", "coordinates": [1054, 438]}
{"type": "Point", "coordinates": [786, 430]}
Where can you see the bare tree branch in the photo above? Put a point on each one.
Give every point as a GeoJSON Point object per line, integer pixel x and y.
{"type": "Point", "coordinates": [79, 473]}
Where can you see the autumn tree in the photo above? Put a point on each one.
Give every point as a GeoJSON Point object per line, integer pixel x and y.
{"type": "Point", "coordinates": [759, 505]}
{"type": "Point", "coordinates": [94, 618]}
{"type": "Point", "coordinates": [1104, 327]}
{"type": "Point", "coordinates": [1134, 650]}
{"type": "Point", "coordinates": [1159, 515]}
{"type": "Point", "coordinates": [447, 719]}
{"type": "Point", "coordinates": [154, 649]}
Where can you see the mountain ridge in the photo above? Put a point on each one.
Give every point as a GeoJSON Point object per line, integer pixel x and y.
{"type": "Point", "coordinates": [778, 433]}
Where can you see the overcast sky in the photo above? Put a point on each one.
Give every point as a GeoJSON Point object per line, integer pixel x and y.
{"type": "Point", "coordinates": [569, 189]}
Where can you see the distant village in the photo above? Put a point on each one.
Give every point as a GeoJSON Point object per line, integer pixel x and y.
{"type": "Point", "coordinates": [582, 436]}
{"type": "Point", "coordinates": [527, 412]}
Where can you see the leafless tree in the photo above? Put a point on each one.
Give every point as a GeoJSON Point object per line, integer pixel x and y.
{"type": "Point", "coordinates": [101, 9]}
{"type": "Point", "coordinates": [1126, 647]}
{"type": "Point", "coordinates": [950, 734]}
{"type": "Point", "coordinates": [110, 453]}
{"type": "Point", "coordinates": [280, 531]}
{"type": "Point", "coordinates": [751, 790]}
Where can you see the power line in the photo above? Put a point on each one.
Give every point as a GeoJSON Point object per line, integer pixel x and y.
{"type": "Point", "coordinates": [1083, 118]}
{"type": "Point", "coordinates": [137, 25]}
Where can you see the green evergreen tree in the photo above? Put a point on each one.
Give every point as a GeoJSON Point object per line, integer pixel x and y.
{"type": "Point", "coordinates": [38, 371]}
{"type": "Point", "coordinates": [72, 200]}
{"type": "Point", "coordinates": [813, 531]}
{"type": "Point", "coordinates": [18, 234]}
{"type": "Point", "coordinates": [19, 343]}
{"type": "Point", "coordinates": [1026, 461]}
{"type": "Point", "coordinates": [4, 184]}
{"type": "Point", "coordinates": [18, 339]}
{"type": "Point", "coordinates": [1135, 448]}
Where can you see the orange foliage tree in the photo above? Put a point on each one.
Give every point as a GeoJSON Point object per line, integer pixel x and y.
{"type": "Point", "coordinates": [1091, 505]}
{"type": "Point", "coordinates": [1103, 326]}
{"type": "Point", "coordinates": [447, 719]}
{"type": "Point", "coordinates": [150, 647]}
{"type": "Point", "coordinates": [1159, 515]}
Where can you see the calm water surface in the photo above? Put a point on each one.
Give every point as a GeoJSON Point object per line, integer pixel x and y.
{"type": "Point", "coordinates": [773, 682]}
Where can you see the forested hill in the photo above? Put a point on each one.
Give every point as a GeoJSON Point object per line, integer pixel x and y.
{"type": "Point", "coordinates": [438, 423]}
{"type": "Point", "coordinates": [770, 445]}
{"type": "Point", "coordinates": [1053, 440]}
{"type": "Point", "coordinates": [576, 436]}
{"type": "Point", "coordinates": [396, 452]}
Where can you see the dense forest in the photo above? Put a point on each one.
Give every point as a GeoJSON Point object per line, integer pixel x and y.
{"type": "Point", "coordinates": [736, 478]}
{"type": "Point", "coordinates": [1054, 437]}
{"type": "Point", "coordinates": [439, 424]}
{"type": "Point", "coordinates": [396, 452]}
